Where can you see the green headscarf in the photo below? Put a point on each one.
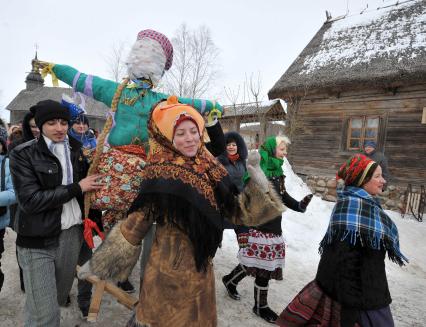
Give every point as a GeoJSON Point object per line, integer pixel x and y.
{"type": "Point", "coordinates": [271, 165]}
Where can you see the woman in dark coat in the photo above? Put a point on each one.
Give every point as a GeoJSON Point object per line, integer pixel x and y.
{"type": "Point", "coordinates": [351, 288]}
{"type": "Point", "coordinates": [234, 158]}
{"type": "Point", "coordinates": [234, 161]}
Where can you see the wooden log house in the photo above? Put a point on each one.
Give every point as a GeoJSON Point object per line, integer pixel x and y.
{"type": "Point", "coordinates": [362, 77]}
{"type": "Point", "coordinates": [254, 121]}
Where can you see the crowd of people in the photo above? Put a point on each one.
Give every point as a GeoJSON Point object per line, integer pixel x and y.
{"type": "Point", "coordinates": [191, 190]}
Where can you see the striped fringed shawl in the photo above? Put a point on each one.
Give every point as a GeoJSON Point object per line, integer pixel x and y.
{"type": "Point", "coordinates": [358, 216]}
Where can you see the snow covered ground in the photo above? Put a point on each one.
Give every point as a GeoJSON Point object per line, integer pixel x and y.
{"type": "Point", "coordinates": [302, 232]}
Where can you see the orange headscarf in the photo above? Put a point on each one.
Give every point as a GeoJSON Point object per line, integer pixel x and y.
{"type": "Point", "coordinates": [168, 114]}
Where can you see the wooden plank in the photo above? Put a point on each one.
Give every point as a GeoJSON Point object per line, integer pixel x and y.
{"type": "Point", "coordinates": [122, 297]}
{"type": "Point", "coordinates": [406, 105]}
{"type": "Point", "coordinates": [408, 95]}
{"type": "Point", "coordinates": [412, 89]}
{"type": "Point", "coordinates": [95, 303]}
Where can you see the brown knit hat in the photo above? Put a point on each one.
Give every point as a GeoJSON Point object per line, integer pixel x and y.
{"type": "Point", "coordinates": [357, 170]}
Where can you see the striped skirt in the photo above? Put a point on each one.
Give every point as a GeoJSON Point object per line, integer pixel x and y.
{"type": "Point", "coordinates": [311, 307]}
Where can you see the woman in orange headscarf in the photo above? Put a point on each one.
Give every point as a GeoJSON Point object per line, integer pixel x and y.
{"type": "Point", "coordinates": [187, 193]}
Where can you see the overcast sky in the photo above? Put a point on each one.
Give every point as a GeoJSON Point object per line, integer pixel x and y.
{"type": "Point", "coordinates": [253, 36]}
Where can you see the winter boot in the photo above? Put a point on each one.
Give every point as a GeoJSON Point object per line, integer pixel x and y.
{"type": "Point", "coordinates": [261, 307]}
{"type": "Point", "coordinates": [231, 281]}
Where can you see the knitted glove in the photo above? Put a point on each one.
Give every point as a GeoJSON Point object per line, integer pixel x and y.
{"type": "Point", "coordinates": [303, 204]}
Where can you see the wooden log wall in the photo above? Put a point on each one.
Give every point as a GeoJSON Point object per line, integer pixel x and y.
{"type": "Point", "coordinates": [318, 145]}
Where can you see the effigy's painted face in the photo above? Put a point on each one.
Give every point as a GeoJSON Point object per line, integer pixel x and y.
{"type": "Point", "coordinates": [146, 60]}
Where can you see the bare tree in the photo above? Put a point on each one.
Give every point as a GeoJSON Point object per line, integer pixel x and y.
{"type": "Point", "coordinates": [254, 87]}
{"type": "Point", "coordinates": [115, 61]}
{"type": "Point", "coordinates": [194, 63]}
{"type": "Point", "coordinates": [176, 80]}
{"type": "Point", "coordinates": [233, 96]}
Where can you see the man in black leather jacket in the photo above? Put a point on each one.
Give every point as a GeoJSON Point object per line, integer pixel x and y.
{"type": "Point", "coordinates": [48, 176]}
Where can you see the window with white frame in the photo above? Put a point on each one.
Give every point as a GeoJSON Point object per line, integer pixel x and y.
{"type": "Point", "coordinates": [361, 129]}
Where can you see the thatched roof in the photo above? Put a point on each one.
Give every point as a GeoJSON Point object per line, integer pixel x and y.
{"type": "Point", "coordinates": [383, 47]}
{"type": "Point", "coordinates": [272, 107]}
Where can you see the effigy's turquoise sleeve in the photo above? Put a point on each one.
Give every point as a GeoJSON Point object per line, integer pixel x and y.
{"type": "Point", "coordinates": [202, 106]}
{"type": "Point", "coordinates": [100, 89]}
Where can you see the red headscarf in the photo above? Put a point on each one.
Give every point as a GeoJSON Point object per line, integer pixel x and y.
{"type": "Point", "coordinates": [355, 170]}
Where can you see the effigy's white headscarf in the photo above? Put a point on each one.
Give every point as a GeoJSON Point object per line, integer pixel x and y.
{"type": "Point", "coordinates": [146, 60]}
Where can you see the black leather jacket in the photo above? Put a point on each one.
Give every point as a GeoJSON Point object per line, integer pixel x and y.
{"type": "Point", "coordinates": [37, 179]}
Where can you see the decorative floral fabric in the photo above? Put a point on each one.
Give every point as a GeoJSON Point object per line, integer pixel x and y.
{"type": "Point", "coordinates": [122, 167]}
{"type": "Point", "coordinates": [264, 251]}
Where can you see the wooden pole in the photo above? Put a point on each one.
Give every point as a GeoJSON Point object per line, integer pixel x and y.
{"type": "Point", "coordinates": [102, 286]}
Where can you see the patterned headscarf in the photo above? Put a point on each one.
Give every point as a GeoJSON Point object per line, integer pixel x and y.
{"type": "Point", "coordinates": [191, 193]}
{"type": "Point", "coordinates": [271, 165]}
{"type": "Point", "coordinates": [357, 170]}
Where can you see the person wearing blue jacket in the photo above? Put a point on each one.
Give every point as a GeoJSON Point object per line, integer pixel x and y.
{"type": "Point", "coordinates": [80, 131]}
{"type": "Point", "coordinates": [7, 194]}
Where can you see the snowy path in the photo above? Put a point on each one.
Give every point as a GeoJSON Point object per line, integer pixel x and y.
{"type": "Point", "coordinates": [302, 232]}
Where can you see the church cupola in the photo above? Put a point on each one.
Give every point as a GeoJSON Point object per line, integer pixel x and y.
{"type": "Point", "coordinates": [34, 79]}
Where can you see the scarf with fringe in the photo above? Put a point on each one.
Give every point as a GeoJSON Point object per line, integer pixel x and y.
{"type": "Point", "coordinates": [193, 194]}
{"type": "Point", "coordinates": [357, 216]}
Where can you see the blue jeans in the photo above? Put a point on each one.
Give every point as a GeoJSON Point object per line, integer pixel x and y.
{"type": "Point", "coordinates": [48, 277]}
